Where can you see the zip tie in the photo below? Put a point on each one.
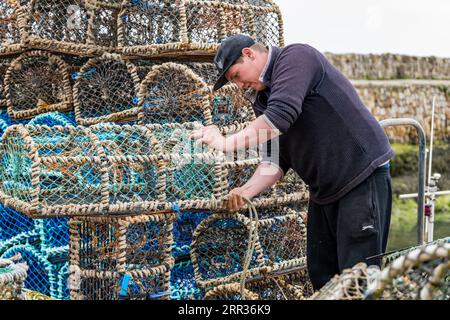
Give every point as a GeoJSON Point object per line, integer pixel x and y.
{"type": "Point", "coordinates": [124, 287]}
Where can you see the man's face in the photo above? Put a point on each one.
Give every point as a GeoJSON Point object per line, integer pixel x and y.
{"type": "Point", "coordinates": [246, 74]}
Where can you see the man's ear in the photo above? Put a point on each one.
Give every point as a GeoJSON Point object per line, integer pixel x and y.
{"type": "Point", "coordinates": [248, 52]}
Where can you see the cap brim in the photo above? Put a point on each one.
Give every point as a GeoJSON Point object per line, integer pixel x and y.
{"type": "Point", "coordinates": [220, 82]}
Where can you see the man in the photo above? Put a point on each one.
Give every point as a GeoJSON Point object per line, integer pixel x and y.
{"type": "Point", "coordinates": [325, 134]}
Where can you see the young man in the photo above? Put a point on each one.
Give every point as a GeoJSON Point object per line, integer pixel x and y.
{"type": "Point", "coordinates": [325, 134]}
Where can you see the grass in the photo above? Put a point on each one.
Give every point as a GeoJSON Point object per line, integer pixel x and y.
{"type": "Point", "coordinates": [401, 148]}
{"type": "Point", "coordinates": [403, 231]}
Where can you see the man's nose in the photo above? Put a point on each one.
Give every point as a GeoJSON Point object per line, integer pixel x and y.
{"type": "Point", "coordinates": [240, 84]}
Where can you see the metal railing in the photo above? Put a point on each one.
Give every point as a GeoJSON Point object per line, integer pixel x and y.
{"type": "Point", "coordinates": [422, 154]}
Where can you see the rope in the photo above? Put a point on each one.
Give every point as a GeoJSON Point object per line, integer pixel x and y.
{"type": "Point", "coordinates": [253, 215]}
{"type": "Point", "coordinates": [279, 287]}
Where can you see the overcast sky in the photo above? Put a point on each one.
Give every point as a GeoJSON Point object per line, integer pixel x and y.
{"type": "Point", "coordinates": [413, 27]}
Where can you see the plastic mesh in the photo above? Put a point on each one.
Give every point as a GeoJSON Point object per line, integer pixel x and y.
{"type": "Point", "coordinates": [154, 287]}
{"type": "Point", "coordinates": [145, 246]}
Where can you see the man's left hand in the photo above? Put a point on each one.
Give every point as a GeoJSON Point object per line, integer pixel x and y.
{"type": "Point", "coordinates": [211, 136]}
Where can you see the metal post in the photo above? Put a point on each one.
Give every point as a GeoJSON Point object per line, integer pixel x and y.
{"type": "Point", "coordinates": [422, 153]}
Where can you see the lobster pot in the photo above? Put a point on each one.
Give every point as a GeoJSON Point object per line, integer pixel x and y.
{"type": "Point", "coordinates": [103, 250]}
{"type": "Point", "coordinates": [105, 90]}
{"type": "Point", "coordinates": [422, 274]}
{"type": "Point", "coordinates": [11, 16]}
{"type": "Point", "coordinates": [218, 175]}
{"type": "Point", "coordinates": [282, 235]}
{"type": "Point", "coordinates": [291, 286]}
{"type": "Point", "coordinates": [37, 82]}
{"type": "Point", "coordinates": [57, 171]}
{"type": "Point", "coordinates": [179, 93]}
{"type": "Point", "coordinates": [173, 93]}
{"type": "Point", "coordinates": [111, 169]}
{"type": "Point", "coordinates": [219, 249]}
{"type": "Point", "coordinates": [12, 277]}
{"type": "Point", "coordinates": [230, 110]}
{"type": "Point", "coordinates": [78, 27]}
{"type": "Point", "coordinates": [166, 27]}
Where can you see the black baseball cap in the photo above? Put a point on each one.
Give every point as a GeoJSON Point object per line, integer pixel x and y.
{"type": "Point", "coordinates": [229, 51]}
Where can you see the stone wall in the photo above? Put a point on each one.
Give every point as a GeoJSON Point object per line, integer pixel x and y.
{"type": "Point", "coordinates": [408, 99]}
{"type": "Point", "coordinates": [398, 86]}
{"type": "Point", "coordinates": [391, 66]}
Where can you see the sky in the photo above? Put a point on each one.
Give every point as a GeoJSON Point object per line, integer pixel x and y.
{"type": "Point", "coordinates": [411, 27]}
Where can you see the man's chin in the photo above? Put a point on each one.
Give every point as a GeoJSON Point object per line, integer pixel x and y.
{"type": "Point", "coordinates": [259, 87]}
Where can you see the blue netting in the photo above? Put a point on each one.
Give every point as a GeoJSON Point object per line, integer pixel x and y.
{"type": "Point", "coordinates": [43, 244]}
{"type": "Point", "coordinates": [55, 232]}
{"type": "Point", "coordinates": [182, 282]}
{"type": "Point", "coordinates": [13, 223]}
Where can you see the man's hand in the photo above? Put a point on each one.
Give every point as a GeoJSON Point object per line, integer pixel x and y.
{"type": "Point", "coordinates": [211, 136]}
{"type": "Point", "coordinates": [235, 200]}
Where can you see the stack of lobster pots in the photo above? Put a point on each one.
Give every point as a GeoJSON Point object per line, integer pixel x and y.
{"type": "Point", "coordinates": [144, 200]}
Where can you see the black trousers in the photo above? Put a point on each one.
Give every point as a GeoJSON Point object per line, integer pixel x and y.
{"type": "Point", "coordinates": [348, 231]}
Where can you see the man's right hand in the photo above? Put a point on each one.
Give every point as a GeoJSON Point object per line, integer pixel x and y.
{"type": "Point", "coordinates": [235, 201]}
